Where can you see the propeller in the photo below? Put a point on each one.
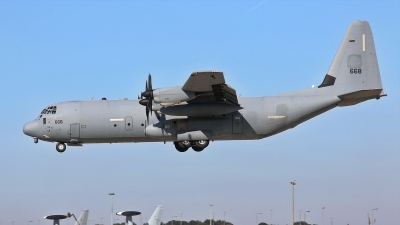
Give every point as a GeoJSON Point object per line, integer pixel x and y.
{"type": "Point", "coordinates": [147, 97]}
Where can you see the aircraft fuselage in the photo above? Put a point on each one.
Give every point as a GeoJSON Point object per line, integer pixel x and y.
{"type": "Point", "coordinates": [113, 121]}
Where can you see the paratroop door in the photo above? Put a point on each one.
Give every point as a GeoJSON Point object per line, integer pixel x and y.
{"type": "Point", "coordinates": [237, 123]}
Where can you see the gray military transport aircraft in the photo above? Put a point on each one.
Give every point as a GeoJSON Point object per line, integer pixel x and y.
{"type": "Point", "coordinates": [206, 108]}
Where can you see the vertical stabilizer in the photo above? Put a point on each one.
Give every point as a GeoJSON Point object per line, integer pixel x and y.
{"type": "Point", "coordinates": [354, 69]}
{"type": "Point", "coordinates": [83, 218]}
{"type": "Point", "coordinates": [155, 219]}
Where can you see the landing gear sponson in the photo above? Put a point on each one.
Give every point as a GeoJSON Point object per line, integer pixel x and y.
{"type": "Point", "coordinates": [181, 146]}
{"type": "Point", "coordinates": [198, 146]}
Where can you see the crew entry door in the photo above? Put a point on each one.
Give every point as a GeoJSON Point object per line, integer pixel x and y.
{"type": "Point", "coordinates": [75, 131]}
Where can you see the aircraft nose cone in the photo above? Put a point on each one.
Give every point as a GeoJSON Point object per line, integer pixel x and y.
{"type": "Point", "coordinates": [31, 128]}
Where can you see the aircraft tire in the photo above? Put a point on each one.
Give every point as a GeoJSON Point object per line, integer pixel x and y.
{"type": "Point", "coordinates": [60, 147]}
{"type": "Point", "coordinates": [180, 146]}
{"type": "Point", "coordinates": [197, 149]}
{"type": "Point", "coordinates": [201, 144]}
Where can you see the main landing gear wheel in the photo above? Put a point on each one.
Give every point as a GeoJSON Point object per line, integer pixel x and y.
{"type": "Point", "coordinates": [198, 146]}
{"type": "Point", "coordinates": [60, 147]}
{"type": "Point", "coordinates": [182, 146]}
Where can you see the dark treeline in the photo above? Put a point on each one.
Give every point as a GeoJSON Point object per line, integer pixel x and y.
{"type": "Point", "coordinates": [192, 222]}
{"type": "Point", "coordinates": [197, 222]}
{"type": "Point", "coordinates": [207, 222]}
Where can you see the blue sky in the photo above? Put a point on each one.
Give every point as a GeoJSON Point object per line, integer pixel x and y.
{"type": "Point", "coordinates": [347, 160]}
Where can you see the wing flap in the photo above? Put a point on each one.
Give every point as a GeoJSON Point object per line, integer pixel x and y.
{"type": "Point", "coordinates": [225, 94]}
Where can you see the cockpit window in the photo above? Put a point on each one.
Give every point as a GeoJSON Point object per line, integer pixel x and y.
{"type": "Point", "coordinates": [50, 110]}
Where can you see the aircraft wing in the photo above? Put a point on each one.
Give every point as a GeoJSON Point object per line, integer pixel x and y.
{"type": "Point", "coordinates": [212, 86]}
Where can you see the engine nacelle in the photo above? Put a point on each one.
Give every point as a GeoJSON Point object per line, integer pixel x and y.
{"type": "Point", "coordinates": [172, 95]}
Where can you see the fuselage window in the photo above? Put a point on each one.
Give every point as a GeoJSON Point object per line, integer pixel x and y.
{"type": "Point", "coordinates": [44, 120]}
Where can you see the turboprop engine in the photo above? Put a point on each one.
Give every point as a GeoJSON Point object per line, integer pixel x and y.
{"type": "Point", "coordinates": [163, 96]}
{"type": "Point", "coordinates": [198, 97]}
{"type": "Point", "coordinates": [171, 96]}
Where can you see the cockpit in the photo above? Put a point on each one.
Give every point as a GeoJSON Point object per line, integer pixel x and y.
{"type": "Point", "coordinates": [52, 109]}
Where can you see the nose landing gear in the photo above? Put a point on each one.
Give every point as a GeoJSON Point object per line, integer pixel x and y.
{"type": "Point", "coordinates": [198, 146]}
{"type": "Point", "coordinates": [60, 147]}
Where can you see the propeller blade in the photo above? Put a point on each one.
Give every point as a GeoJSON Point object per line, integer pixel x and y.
{"type": "Point", "coordinates": [150, 85]}
{"type": "Point", "coordinates": [147, 113]}
{"type": "Point", "coordinates": [150, 104]}
{"type": "Point", "coordinates": [146, 97]}
{"type": "Point", "coordinates": [147, 94]}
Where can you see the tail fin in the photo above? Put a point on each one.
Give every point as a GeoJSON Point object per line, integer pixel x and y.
{"type": "Point", "coordinates": [83, 218]}
{"type": "Point", "coordinates": [354, 72]}
{"type": "Point", "coordinates": [155, 219]}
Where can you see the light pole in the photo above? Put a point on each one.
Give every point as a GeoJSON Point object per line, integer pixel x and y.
{"type": "Point", "coordinates": [211, 205]}
{"type": "Point", "coordinates": [38, 222]}
{"type": "Point", "coordinates": [224, 217]}
{"type": "Point", "coordinates": [29, 222]}
{"type": "Point", "coordinates": [293, 183]}
{"type": "Point", "coordinates": [331, 221]}
{"type": "Point", "coordinates": [300, 215]}
{"type": "Point", "coordinates": [141, 221]}
{"type": "Point", "coordinates": [181, 218]}
{"type": "Point", "coordinates": [323, 215]}
{"type": "Point", "coordinates": [213, 217]}
{"type": "Point", "coordinates": [373, 220]}
{"type": "Point", "coordinates": [305, 216]}
{"type": "Point", "coordinates": [257, 218]}
{"type": "Point", "coordinates": [101, 220]}
{"type": "Point", "coordinates": [271, 215]}
{"type": "Point", "coordinates": [112, 207]}
{"type": "Point", "coordinates": [173, 219]}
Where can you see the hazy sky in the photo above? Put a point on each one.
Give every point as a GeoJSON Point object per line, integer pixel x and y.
{"type": "Point", "coordinates": [347, 160]}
